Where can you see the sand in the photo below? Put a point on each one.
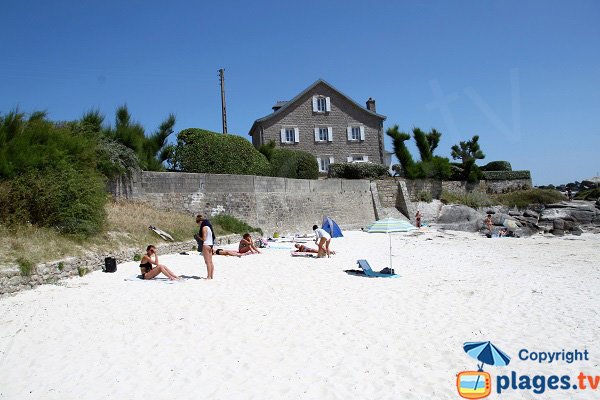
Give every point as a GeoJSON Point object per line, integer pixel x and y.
{"type": "Point", "coordinates": [272, 326]}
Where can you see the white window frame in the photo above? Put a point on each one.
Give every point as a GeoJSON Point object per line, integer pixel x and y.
{"type": "Point", "coordinates": [324, 163]}
{"type": "Point", "coordinates": [357, 158]}
{"type": "Point", "coordinates": [323, 134]}
{"type": "Point", "coordinates": [321, 104]}
{"type": "Point", "coordinates": [356, 133]}
{"type": "Point", "coordinates": [289, 132]}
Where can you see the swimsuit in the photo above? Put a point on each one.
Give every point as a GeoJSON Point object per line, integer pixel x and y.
{"type": "Point", "coordinates": [146, 267]}
{"type": "Point", "coordinates": [219, 251]}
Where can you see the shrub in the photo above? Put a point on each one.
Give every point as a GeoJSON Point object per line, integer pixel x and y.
{"type": "Point", "coordinates": [137, 257]}
{"type": "Point", "coordinates": [231, 224]}
{"type": "Point", "coordinates": [497, 166]}
{"type": "Point", "coordinates": [357, 170]}
{"type": "Point", "coordinates": [26, 266]}
{"type": "Point", "coordinates": [198, 150]}
{"type": "Point", "coordinates": [60, 266]}
{"type": "Point", "coordinates": [435, 168]}
{"type": "Point", "coordinates": [589, 194]}
{"type": "Point", "coordinates": [425, 196]}
{"type": "Point", "coordinates": [473, 199]}
{"type": "Point", "coordinates": [62, 198]}
{"type": "Point", "coordinates": [81, 271]}
{"type": "Point", "coordinates": [505, 175]}
{"type": "Point", "coordinates": [287, 163]}
{"type": "Point", "coordinates": [524, 198]}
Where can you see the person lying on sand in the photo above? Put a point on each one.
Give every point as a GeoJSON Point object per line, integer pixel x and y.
{"type": "Point", "coordinates": [223, 252]}
{"type": "Point", "coordinates": [149, 272]}
{"type": "Point", "coordinates": [304, 249]}
{"type": "Point", "coordinates": [246, 245]}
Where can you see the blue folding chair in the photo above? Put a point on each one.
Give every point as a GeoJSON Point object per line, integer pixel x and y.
{"type": "Point", "coordinates": [364, 265]}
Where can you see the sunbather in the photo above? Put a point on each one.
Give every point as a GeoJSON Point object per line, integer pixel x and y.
{"type": "Point", "coordinates": [149, 272]}
{"type": "Point", "coordinates": [224, 252]}
{"type": "Point", "coordinates": [246, 245]}
{"type": "Point", "coordinates": [305, 249]}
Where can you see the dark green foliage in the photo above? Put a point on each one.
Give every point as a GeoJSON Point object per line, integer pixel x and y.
{"type": "Point", "coordinates": [295, 164]}
{"type": "Point", "coordinates": [469, 152]}
{"type": "Point", "coordinates": [199, 150]}
{"type": "Point", "coordinates": [81, 271]}
{"type": "Point", "coordinates": [48, 175]}
{"type": "Point", "coordinates": [505, 175]}
{"type": "Point", "coordinates": [523, 198]}
{"type": "Point", "coordinates": [589, 194]}
{"type": "Point", "coordinates": [357, 170]}
{"type": "Point", "coordinates": [267, 149]}
{"type": "Point", "coordinates": [151, 151]}
{"type": "Point", "coordinates": [26, 266]}
{"type": "Point", "coordinates": [114, 158]}
{"type": "Point", "coordinates": [497, 166]}
{"type": "Point", "coordinates": [401, 151]}
{"type": "Point", "coordinates": [436, 168]}
{"type": "Point", "coordinates": [233, 225]}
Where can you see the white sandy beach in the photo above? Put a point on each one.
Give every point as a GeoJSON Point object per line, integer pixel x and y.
{"type": "Point", "coordinates": [275, 327]}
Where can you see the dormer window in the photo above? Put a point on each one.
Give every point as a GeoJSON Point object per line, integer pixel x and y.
{"type": "Point", "coordinates": [321, 104]}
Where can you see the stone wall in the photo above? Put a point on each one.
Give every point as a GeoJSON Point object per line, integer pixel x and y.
{"type": "Point", "coordinates": [12, 280]}
{"type": "Point", "coordinates": [274, 204]}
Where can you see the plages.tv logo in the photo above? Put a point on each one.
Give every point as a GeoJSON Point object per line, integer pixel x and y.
{"type": "Point", "coordinates": [478, 384]}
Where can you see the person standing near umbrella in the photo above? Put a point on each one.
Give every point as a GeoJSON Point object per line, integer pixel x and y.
{"type": "Point", "coordinates": [322, 240]}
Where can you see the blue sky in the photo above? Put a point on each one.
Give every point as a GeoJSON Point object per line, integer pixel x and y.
{"type": "Point", "coordinates": [523, 75]}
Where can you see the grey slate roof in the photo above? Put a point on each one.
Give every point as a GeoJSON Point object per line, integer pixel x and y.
{"type": "Point", "coordinates": [292, 101]}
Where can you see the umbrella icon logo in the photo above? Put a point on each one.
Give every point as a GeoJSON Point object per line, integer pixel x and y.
{"type": "Point", "coordinates": [478, 384]}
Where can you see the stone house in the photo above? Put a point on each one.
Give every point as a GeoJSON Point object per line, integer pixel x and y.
{"type": "Point", "coordinates": [325, 122]}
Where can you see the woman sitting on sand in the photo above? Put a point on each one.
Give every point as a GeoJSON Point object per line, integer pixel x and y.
{"type": "Point", "coordinates": [223, 252]}
{"type": "Point", "coordinates": [149, 272]}
{"type": "Point", "coordinates": [246, 245]}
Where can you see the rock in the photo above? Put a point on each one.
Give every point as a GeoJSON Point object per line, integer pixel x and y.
{"type": "Point", "coordinates": [531, 213]}
{"type": "Point", "coordinates": [583, 212]}
{"type": "Point", "coordinates": [577, 231]}
{"type": "Point", "coordinates": [460, 218]}
{"type": "Point", "coordinates": [558, 232]}
{"type": "Point", "coordinates": [569, 225]}
{"type": "Point", "coordinates": [514, 213]}
{"type": "Point", "coordinates": [559, 224]}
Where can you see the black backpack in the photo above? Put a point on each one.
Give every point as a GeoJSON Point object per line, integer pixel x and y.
{"type": "Point", "coordinates": [110, 264]}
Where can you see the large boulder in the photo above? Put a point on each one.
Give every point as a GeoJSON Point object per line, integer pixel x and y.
{"type": "Point", "coordinates": [579, 211]}
{"type": "Point", "coordinates": [460, 218]}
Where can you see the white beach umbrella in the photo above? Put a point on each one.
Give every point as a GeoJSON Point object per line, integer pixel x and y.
{"type": "Point", "coordinates": [390, 225]}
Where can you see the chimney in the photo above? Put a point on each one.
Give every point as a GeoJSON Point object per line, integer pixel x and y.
{"type": "Point", "coordinates": [371, 105]}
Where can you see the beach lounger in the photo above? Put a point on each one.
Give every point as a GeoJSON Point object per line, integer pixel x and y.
{"type": "Point", "coordinates": [364, 265]}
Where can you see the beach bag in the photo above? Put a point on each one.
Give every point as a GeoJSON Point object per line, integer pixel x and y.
{"type": "Point", "coordinates": [110, 265]}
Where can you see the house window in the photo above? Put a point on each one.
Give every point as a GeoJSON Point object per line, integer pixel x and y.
{"type": "Point", "coordinates": [289, 134]}
{"type": "Point", "coordinates": [323, 134]}
{"type": "Point", "coordinates": [324, 163]}
{"type": "Point", "coordinates": [356, 133]}
{"type": "Point", "coordinates": [321, 104]}
{"type": "Point", "coordinates": [357, 158]}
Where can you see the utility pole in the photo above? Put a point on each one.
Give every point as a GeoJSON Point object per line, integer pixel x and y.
{"type": "Point", "coordinates": [223, 108]}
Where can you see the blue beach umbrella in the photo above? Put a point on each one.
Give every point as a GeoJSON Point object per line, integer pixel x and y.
{"type": "Point", "coordinates": [487, 353]}
{"type": "Point", "coordinates": [390, 225]}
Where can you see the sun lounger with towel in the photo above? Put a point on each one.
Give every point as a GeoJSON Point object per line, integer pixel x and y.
{"type": "Point", "coordinates": [364, 265]}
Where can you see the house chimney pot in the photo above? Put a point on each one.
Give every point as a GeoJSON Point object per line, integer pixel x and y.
{"type": "Point", "coordinates": [371, 105]}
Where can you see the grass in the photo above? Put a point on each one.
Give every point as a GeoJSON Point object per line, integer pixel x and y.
{"type": "Point", "coordinates": [472, 199]}
{"type": "Point", "coordinates": [523, 198]}
{"type": "Point", "coordinates": [126, 227]}
{"type": "Point", "coordinates": [233, 225]}
{"type": "Point", "coordinates": [589, 194]}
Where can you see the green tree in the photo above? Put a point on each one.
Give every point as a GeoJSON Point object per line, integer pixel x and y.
{"type": "Point", "coordinates": [401, 151]}
{"type": "Point", "coordinates": [469, 152]}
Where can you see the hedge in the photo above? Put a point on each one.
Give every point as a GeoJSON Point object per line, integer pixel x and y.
{"type": "Point", "coordinates": [505, 175]}
{"type": "Point", "coordinates": [357, 170]}
{"type": "Point", "coordinates": [199, 150]}
{"type": "Point", "coordinates": [296, 164]}
{"type": "Point", "coordinates": [497, 166]}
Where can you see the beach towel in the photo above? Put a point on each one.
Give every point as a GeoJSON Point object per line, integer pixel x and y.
{"type": "Point", "coordinates": [138, 278]}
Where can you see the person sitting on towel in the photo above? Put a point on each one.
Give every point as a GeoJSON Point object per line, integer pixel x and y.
{"type": "Point", "coordinates": [149, 272]}
{"type": "Point", "coordinates": [322, 240]}
{"type": "Point", "coordinates": [246, 245]}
